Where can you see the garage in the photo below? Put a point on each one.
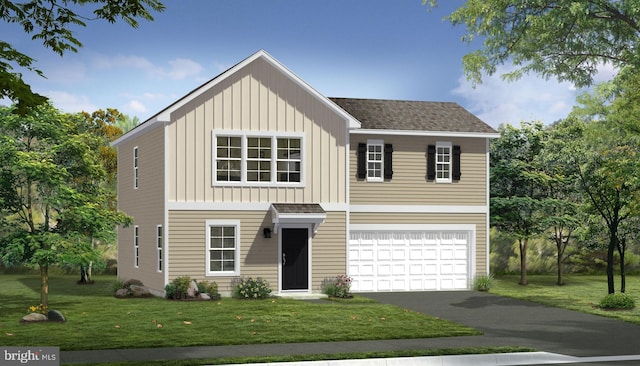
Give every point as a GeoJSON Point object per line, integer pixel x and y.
{"type": "Point", "coordinates": [410, 260]}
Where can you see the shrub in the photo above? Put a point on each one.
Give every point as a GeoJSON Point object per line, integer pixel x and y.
{"type": "Point", "coordinates": [250, 288]}
{"type": "Point", "coordinates": [618, 300]}
{"type": "Point", "coordinates": [178, 289]}
{"type": "Point", "coordinates": [205, 287]}
{"type": "Point", "coordinates": [339, 286]}
{"type": "Point", "coordinates": [117, 285]}
{"type": "Point", "coordinates": [483, 283]}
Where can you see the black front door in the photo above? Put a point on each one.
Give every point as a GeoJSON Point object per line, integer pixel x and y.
{"type": "Point", "coordinates": [295, 259]}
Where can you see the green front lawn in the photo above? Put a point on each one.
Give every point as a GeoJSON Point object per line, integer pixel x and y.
{"type": "Point", "coordinates": [580, 292]}
{"type": "Point", "coordinates": [97, 320]}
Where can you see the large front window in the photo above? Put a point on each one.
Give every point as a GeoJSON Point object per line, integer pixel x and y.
{"type": "Point", "coordinates": [223, 252]}
{"type": "Point", "coordinates": [261, 159]}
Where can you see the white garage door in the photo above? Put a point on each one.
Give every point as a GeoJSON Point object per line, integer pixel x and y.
{"type": "Point", "coordinates": [409, 260]}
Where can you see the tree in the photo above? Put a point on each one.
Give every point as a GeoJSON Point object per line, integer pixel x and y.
{"type": "Point", "coordinates": [563, 214]}
{"type": "Point", "coordinates": [102, 124]}
{"type": "Point", "coordinates": [517, 185]}
{"type": "Point", "coordinates": [565, 39]}
{"type": "Point", "coordinates": [52, 195]}
{"type": "Point", "coordinates": [609, 171]}
{"type": "Point", "coordinates": [51, 23]}
{"type": "Point", "coordinates": [127, 123]}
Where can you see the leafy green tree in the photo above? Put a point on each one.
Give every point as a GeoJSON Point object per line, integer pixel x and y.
{"type": "Point", "coordinates": [518, 196]}
{"type": "Point", "coordinates": [609, 171]}
{"type": "Point", "coordinates": [127, 123]}
{"type": "Point", "coordinates": [52, 194]}
{"type": "Point", "coordinates": [563, 214]}
{"type": "Point", "coordinates": [566, 39]}
{"type": "Point", "coordinates": [51, 22]}
{"type": "Point", "coordinates": [102, 124]}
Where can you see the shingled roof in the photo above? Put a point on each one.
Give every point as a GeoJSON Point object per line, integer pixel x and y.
{"type": "Point", "coordinates": [413, 115]}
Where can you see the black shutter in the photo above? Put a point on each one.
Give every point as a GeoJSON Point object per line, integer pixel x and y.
{"type": "Point", "coordinates": [388, 161]}
{"type": "Point", "coordinates": [456, 163]}
{"type": "Point", "coordinates": [431, 162]}
{"type": "Point", "coordinates": [362, 161]}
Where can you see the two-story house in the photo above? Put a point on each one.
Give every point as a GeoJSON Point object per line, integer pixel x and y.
{"type": "Point", "coordinates": [255, 173]}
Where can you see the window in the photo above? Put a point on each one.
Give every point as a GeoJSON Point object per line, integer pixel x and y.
{"type": "Point", "coordinates": [223, 252]}
{"type": "Point", "coordinates": [136, 246]}
{"type": "Point", "coordinates": [374, 160]}
{"type": "Point", "coordinates": [289, 159]}
{"type": "Point", "coordinates": [135, 167]}
{"type": "Point", "coordinates": [262, 159]}
{"type": "Point", "coordinates": [159, 246]}
{"type": "Point", "coordinates": [259, 159]}
{"type": "Point", "coordinates": [443, 162]}
{"type": "Point", "coordinates": [228, 158]}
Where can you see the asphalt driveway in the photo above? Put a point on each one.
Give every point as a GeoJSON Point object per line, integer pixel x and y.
{"type": "Point", "coordinates": [506, 321]}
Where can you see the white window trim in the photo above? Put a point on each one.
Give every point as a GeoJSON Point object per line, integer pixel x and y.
{"type": "Point", "coordinates": [208, 225]}
{"type": "Point", "coordinates": [449, 145]}
{"type": "Point", "coordinates": [159, 248]}
{"type": "Point", "coordinates": [136, 246]}
{"type": "Point", "coordinates": [244, 135]}
{"type": "Point", "coordinates": [381, 144]}
{"type": "Point", "coordinates": [136, 166]}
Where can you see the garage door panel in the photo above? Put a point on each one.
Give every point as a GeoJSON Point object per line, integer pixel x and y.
{"type": "Point", "coordinates": [409, 261]}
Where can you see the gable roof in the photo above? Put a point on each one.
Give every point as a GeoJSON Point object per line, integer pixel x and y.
{"type": "Point", "coordinates": [404, 115]}
{"type": "Point", "coordinates": [164, 115]}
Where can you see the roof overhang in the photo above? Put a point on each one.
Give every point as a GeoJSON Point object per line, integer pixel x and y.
{"type": "Point", "coordinates": [283, 214]}
{"type": "Point", "coordinates": [488, 135]}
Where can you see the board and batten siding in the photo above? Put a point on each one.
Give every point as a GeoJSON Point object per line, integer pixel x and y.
{"type": "Point", "coordinates": [145, 204]}
{"type": "Point", "coordinates": [258, 99]}
{"type": "Point", "coordinates": [479, 220]}
{"type": "Point", "coordinates": [409, 185]}
{"type": "Point", "coordinates": [258, 255]}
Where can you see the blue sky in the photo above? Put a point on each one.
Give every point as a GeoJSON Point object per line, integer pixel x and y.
{"type": "Point", "coordinates": [356, 48]}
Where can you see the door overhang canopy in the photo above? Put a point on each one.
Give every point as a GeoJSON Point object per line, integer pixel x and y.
{"type": "Point", "coordinates": [297, 213]}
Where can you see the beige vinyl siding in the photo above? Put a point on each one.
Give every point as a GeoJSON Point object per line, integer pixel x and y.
{"type": "Point", "coordinates": [258, 99]}
{"type": "Point", "coordinates": [258, 256]}
{"type": "Point", "coordinates": [409, 185]}
{"type": "Point", "coordinates": [329, 249]}
{"type": "Point", "coordinates": [145, 204]}
{"type": "Point", "coordinates": [479, 220]}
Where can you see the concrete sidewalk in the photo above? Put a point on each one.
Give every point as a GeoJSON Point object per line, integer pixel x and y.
{"type": "Point", "coordinates": [560, 335]}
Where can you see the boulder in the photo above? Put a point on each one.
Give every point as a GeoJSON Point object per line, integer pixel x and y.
{"type": "Point", "coordinates": [55, 316]}
{"type": "Point", "coordinates": [193, 289]}
{"type": "Point", "coordinates": [204, 296]}
{"type": "Point", "coordinates": [33, 317]}
{"type": "Point", "coordinates": [123, 292]}
{"type": "Point", "coordinates": [139, 291]}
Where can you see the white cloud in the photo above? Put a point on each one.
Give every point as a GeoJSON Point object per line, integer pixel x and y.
{"type": "Point", "coordinates": [531, 98]}
{"type": "Point", "coordinates": [71, 103]}
{"type": "Point", "coordinates": [182, 68]}
{"type": "Point", "coordinates": [134, 107]}
{"type": "Point", "coordinates": [178, 69]}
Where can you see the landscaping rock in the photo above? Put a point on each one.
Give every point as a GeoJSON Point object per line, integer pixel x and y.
{"type": "Point", "coordinates": [193, 289]}
{"type": "Point", "coordinates": [139, 291]}
{"type": "Point", "coordinates": [33, 317]}
{"type": "Point", "coordinates": [204, 296]}
{"type": "Point", "coordinates": [123, 292]}
{"type": "Point", "coordinates": [55, 316]}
